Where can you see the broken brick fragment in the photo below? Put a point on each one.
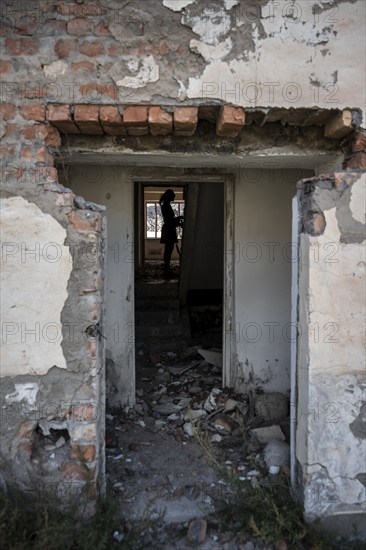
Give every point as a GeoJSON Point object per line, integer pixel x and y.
{"type": "Point", "coordinates": [86, 118]}
{"type": "Point", "coordinates": [185, 121]}
{"type": "Point", "coordinates": [136, 120]}
{"type": "Point", "coordinates": [112, 120]}
{"type": "Point", "coordinates": [230, 121]}
{"type": "Point", "coordinates": [83, 453]}
{"type": "Point", "coordinates": [60, 117]}
{"type": "Point", "coordinates": [160, 122]}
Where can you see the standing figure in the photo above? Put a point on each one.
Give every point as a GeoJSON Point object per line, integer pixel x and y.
{"type": "Point", "coordinates": [168, 231]}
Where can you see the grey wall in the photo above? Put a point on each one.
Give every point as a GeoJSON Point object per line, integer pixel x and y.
{"type": "Point", "coordinates": [263, 255]}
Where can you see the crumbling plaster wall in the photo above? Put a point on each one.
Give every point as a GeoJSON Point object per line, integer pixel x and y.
{"type": "Point", "coordinates": [112, 186]}
{"type": "Point", "coordinates": [261, 53]}
{"type": "Point", "coordinates": [331, 434]}
{"type": "Point", "coordinates": [52, 358]}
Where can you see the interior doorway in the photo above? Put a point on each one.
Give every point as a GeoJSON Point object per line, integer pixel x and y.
{"type": "Point", "coordinates": [186, 310]}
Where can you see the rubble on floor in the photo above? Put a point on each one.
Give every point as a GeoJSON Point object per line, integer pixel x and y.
{"type": "Point", "coordinates": [161, 456]}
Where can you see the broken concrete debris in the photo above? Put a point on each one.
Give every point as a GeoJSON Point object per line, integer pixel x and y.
{"type": "Point", "coordinates": [147, 470]}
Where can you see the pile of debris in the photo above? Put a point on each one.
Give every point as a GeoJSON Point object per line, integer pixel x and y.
{"type": "Point", "coordinates": [187, 400]}
{"type": "Point", "coordinates": [159, 454]}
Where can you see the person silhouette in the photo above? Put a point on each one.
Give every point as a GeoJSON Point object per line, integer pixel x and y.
{"type": "Point", "coordinates": [168, 231]}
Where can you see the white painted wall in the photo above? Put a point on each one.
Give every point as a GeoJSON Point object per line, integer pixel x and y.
{"type": "Point", "coordinates": [292, 54]}
{"type": "Point", "coordinates": [263, 262]}
{"type": "Point", "coordinates": [113, 187]}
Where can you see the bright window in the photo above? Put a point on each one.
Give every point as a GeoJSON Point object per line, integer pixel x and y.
{"type": "Point", "coordinates": [154, 218]}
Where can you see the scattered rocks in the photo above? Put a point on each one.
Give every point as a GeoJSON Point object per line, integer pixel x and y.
{"type": "Point", "coordinates": [197, 531]}
{"type": "Point", "coordinates": [271, 407]}
{"type": "Point", "coordinates": [277, 453]}
{"type": "Point", "coordinates": [266, 434]}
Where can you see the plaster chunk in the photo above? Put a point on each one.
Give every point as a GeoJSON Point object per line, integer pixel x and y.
{"type": "Point", "coordinates": [177, 5]}
{"type": "Point", "coordinates": [56, 68]}
{"type": "Point", "coordinates": [35, 269]}
{"type": "Point", "coordinates": [143, 72]}
{"type": "Point", "coordinates": [358, 199]}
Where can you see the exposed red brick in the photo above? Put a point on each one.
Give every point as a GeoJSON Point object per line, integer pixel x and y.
{"type": "Point", "coordinates": [56, 24]}
{"type": "Point", "coordinates": [83, 66]}
{"type": "Point", "coordinates": [28, 132]}
{"type": "Point", "coordinates": [86, 118]}
{"type": "Point", "coordinates": [22, 46]}
{"type": "Point", "coordinates": [92, 348]}
{"type": "Point", "coordinates": [83, 412]}
{"type": "Point", "coordinates": [26, 430]}
{"type": "Point", "coordinates": [84, 453]}
{"type": "Point", "coordinates": [7, 151]}
{"type": "Point", "coordinates": [65, 46]}
{"type": "Point", "coordinates": [41, 154]}
{"type": "Point", "coordinates": [85, 221]}
{"type": "Point", "coordinates": [136, 120]}
{"type": "Point", "coordinates": [11, 130]}
{"type": "Point", "coordinates": [6, 67]}
{"type": "Point", "coordinates": [50, 135]}
{"type": "Point", "coordinates": [114, 49]}
{"type": "Point", "coordinates": [357, 161]}
{"type": "Point", "coordinates": [230, 121]}
{"type": "Point", "coordinates": [91, 49]}
{"type": "Point", "coordinates": [102, 29]}
{"type": "Point", "coordinates": [79, 26]}
{"type": "Point", "coordinates": [185, 121]}
{"type": "Point", "coordinates": [60, 116]}
{"type": "Point", "coordinates": [7, 110]}
{"type": "Point", "coordinates": [163, 48]}
{"type": "Point", "coordinates": [33, 112]}
{"type": "Point", "coordinates": [160, 122]}
{"type": "Point", "coordinates": [79, 10]}
{"type": "Point", "coordinates": [26, 26]}
{"type": "Point", "coordinates": [70, 9]}
{"type": "Point", "coordinates": [95, 92]}
{"type": "Point", "coordinates": [111, 120]}
{"type": "Point", "coordinates": [359, 141]}
{"type": "Point", "coordinates": [78, 472]}
{"type": "Point", "coordinates": [27, 152]}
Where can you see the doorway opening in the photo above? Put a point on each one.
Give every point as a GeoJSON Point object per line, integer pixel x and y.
{"type": "Point", "coordinates": [178, 316]}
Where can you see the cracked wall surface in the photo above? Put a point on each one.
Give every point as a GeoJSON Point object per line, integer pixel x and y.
{"type": "Point", "coordinates": [331, 444]}
{"type": "Point", "coordinates": [276, 56]}
{"type": "Point", "coordinates": [259, 53]}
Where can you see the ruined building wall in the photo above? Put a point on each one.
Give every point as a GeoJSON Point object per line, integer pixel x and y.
{"type": "Point", "coordinates": [259, 54]}
{"type": "Point", "coordinates": [330, 443]}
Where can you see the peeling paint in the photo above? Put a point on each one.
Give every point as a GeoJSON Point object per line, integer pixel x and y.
{"type": "Point", "coordinates": [24, 393]}
{"type": "Point", "coordinates": [143, 72]}
{"type": "Point", "coordinates": [177, 5]}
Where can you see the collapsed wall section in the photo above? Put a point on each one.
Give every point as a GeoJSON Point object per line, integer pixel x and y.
{"type": "Point", "coordinates": [331, 378]}
{"type": "Point", "coordinates": [52, 352]}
